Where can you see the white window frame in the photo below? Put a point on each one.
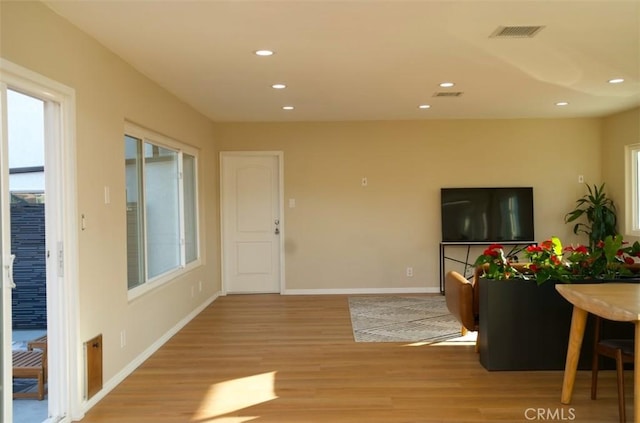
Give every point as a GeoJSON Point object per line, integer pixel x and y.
{"type": "Point", "coordinates": [632, 191]}
{"type": "Point", "coordinates": [148, 136]}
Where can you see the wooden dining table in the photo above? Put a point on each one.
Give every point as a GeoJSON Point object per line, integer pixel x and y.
{"type": "Point", "coordinates": [612, 301]}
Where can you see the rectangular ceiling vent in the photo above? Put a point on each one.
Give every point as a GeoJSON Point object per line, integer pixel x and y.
{"type": "Point", "coordinates": [516, 31]}
{"type": "Point", "coordinates": [448, 94]}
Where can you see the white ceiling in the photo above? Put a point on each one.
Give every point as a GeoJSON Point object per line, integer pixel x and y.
{"type": "Point", "coordinates": [376, 60]}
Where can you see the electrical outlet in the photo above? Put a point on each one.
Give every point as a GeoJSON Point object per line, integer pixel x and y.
{"type": "Point", "coordinates": [410, 272]}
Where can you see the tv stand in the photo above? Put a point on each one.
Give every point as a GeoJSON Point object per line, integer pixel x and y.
{"type": "Point", "coordinates": [516, 247]}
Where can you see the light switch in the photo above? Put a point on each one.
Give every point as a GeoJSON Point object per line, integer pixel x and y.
{"type": "Point", "coordinates": [365, 182]}
{"type": "Point", "coordinates": [292, 203]}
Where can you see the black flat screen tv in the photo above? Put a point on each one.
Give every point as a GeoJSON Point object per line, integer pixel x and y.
{"type": "Point", "coordinates": [487, 215]}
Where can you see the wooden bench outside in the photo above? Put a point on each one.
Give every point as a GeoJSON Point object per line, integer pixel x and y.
{"type": "Point", "coordinates": [30, 365]}
{"type": "Point", "coordinates": [38, 343]}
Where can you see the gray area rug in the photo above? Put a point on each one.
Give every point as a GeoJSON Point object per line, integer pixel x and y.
{"type": "Point", "coordinates": [404, 318]}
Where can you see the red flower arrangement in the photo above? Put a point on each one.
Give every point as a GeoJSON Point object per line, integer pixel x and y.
{"type": "Point", "coordinates": [499, 266]}
{"type": "Point", "coordinates": [546, 261]}
{"type": "Point", "coordinates": [611, 258]}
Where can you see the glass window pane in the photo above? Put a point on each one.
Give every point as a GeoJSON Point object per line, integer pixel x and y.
{"type": "Point", "coordinates": [162, 209]}
{"type": "Point", "coordinates": [190, 207]}
{"type": "Point", "coordinates": [25, 118]}
{"type": "Point", "coordinates": [135, 221]}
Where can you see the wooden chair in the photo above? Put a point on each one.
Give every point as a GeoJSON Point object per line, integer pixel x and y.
{"type": "Point", "coordinates": [622, 350]}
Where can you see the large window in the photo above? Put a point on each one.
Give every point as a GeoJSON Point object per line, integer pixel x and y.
{"type": "Point", "coordinates": [632, 170]}
{"type": "Point", "coordinates": [162, 205]}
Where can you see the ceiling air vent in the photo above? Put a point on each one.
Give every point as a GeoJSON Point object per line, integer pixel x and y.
{"type": "Point", "coordinates": [516, 31]}
{"type": "Point", "coordinates": [448, 94]}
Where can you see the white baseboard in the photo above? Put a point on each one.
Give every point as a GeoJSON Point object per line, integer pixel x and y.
{"type": "Point", "coordinates": [121, 375]}
{"type": "Point", "coordinates": [362, 291]}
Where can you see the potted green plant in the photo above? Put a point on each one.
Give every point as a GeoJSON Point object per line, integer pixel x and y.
{"type": "Point", "coordinates": [600, 212]}
{"type": "Point", "coordinates": [524, 321]}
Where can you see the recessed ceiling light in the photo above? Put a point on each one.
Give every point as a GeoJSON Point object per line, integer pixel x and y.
{"type": "Point", "coordinates": [447, 84]}
{"type": "Point", "coordinates": [263, 52]}
{"type": "Point", "coordinates": [424, 106]}
{"type": "Point", "coordinates": [616, 81]}
{"type": "Point", "coordinates": [278, 86]}
{"type": "Point", "coordinates": [562, 103]}
{"type": "Point", "coordinates": [287, 107]}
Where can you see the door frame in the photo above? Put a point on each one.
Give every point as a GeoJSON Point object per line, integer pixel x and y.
{"type": "Point", "coordinates": [279, 155]}
{"type": "Point", "coordinates": [64, 351]}
{"type": "Point", "coordinates": [6, 285]}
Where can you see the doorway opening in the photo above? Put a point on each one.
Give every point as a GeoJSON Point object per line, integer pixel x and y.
{"type": "Point", "coordinates": [53, 117]}
{"type": "Point", "coordinates": [25, 127]}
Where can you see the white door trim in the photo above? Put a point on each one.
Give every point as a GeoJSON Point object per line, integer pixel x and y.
{"type": "Point", "coordinates": [280, 156]}
{"type": "Point", "coordinates": [64, 350]}
{"type": "Point", "coordinates": [6, 283]}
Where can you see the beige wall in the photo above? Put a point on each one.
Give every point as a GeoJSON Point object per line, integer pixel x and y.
{"type": "Point", "coordinates": [619, 130]}
{"type": "Point", "coordinates": [341, 235]}
{"type": "Point", "coordinates": [108, 91]}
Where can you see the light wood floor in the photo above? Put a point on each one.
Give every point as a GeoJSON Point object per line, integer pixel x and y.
{"type": "Point", "coordinates": [292, 359]}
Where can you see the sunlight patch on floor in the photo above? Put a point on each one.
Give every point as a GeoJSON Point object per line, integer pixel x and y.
{"type": "Point", "coordinates": [233, 395]}
{"type": "Point", "coordinates": [468, 339]}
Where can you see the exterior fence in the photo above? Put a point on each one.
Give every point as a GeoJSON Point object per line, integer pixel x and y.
{"type": "Point", "coordinates": [29, 269]}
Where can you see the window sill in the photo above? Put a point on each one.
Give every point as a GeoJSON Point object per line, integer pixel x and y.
{"type": "Point", "coordinates": [158, 281]}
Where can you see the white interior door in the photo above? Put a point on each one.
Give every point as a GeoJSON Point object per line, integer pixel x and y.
{"type": "Point", "coordinates": [251, 222]}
